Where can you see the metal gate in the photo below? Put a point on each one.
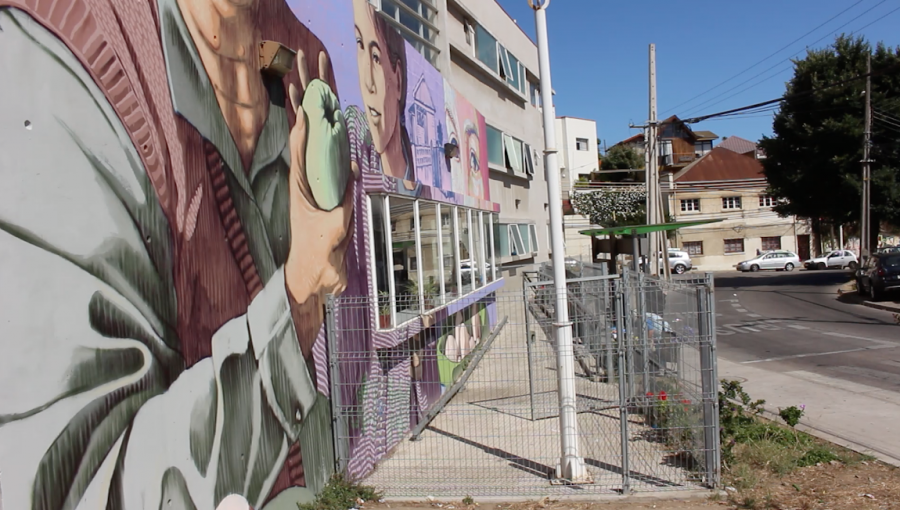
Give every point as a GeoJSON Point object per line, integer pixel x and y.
{"type": "Point", "coordinates": [446, 409]}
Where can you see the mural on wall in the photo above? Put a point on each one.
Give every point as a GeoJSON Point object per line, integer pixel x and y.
{"type": "Point", "coordinates": [162, 301]}
{"type": "Point", "coordinates": [188, 187]}
{"type": "Point", "coordinates": [425, 121]}
{"type": "Point", "coordinates": [462, 334]}
{"type": "Point", "coordinates": [468, 130]}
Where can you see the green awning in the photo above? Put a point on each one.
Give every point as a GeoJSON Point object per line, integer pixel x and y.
{"type": "Point", "coordinates": [644, 229]}
{"type": "Point", "coordinates": [402, 245]}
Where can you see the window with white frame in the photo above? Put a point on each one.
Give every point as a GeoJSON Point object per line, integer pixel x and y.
{"type": "Point", "coordinates": [499, 60]}
{"type": "Point", "coordinates": [414, 19]}
{"type": "Point", "coordinates": [405, 263]}
{"type": "Point", "coordinates": [581, 144]}
{"type": "Point", "coordinates": [703, 147]}
{"type": "Point", "coordinates": [534, 90]}
{"type": "Point", "coordinates": [518, 157]}
{"type": "Point", "coordinates": [766, 201]}
{"type": "Point", "coordinates": [515, 239]}
{"type": "Point", "coordinates": [731, 202]}
{"type": "Point", "coordinates": [495, 146]}
{"type": "Point", "coordinates": [448, 255]}
{"type": "Point", "coordinates": [690, 205]}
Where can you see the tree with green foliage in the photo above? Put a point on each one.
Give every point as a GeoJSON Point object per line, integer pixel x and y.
{"type": "Point", "coordinates": [622, 157]}
{"type": "Point", "coordinates": [813, 159]}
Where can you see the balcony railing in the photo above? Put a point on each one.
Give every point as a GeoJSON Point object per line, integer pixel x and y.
{"type": "Point", "coordinates": [678, 159]}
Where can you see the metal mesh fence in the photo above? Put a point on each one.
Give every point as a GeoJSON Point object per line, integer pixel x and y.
{"type": "Point", "coordinates": [464, 400]}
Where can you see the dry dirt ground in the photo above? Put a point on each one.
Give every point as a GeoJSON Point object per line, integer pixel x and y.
{"type": "Point", "coordinates": [867, 485]}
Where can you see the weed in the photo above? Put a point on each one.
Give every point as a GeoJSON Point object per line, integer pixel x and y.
{"type": "Point", "coordinates": [468, 501]}
{"type": "Point", "coordinates": [791, 415]}
{"type": "Point", "coordinates": [815, 455]}
{"type": "Point", "coordinates": [340, 494]}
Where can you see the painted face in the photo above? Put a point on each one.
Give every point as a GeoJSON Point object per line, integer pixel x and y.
{"type": "Point", "coordinates": [380, 82]}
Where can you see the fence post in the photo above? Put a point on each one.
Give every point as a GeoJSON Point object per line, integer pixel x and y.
{"type": "Point", "coordinates": [340, 434]}
{"type": "Point", "coordinates": [528, 343]}
{"type": "Point", "coordinates": [713, 357]}
{"type": "Point", "coordinates": [623, 377]}
{"type": "Point", "coordinates": [706, 324]}
{"type": "Point", "coordinates": [645, 334]}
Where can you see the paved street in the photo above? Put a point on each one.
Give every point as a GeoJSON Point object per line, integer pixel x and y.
{"type": "Point", "coordinates": [793, 342]}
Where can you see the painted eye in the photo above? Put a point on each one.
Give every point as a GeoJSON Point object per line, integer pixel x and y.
{"type": "Point", "coordinates": [473, 161]}
{"type": "Point", "coordinates": [359, 43]}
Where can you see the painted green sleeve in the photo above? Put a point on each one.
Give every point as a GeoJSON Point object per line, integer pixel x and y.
{"type": "Point", "coordinates": [87, 308]}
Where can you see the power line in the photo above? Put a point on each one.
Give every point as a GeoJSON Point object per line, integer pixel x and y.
{"type": "Point", "coordinates": [694, 120]}
{"type": "Point", "coordinates": [766, 58]}
{"type": "Point", "coordinates": [777, 64]}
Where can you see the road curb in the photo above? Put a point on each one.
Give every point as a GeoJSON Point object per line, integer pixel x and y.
{"type": "Point", "coordinates": [880, 306]}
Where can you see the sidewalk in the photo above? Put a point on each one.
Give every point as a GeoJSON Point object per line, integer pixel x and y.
{"type": "Point", "coordinates": [856, 416]}
{"type": "Point", "coordinates": [850, 295]}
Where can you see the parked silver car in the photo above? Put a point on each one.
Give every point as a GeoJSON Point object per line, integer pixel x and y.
{"type": "Point", "coordinates": [679, 261]}
{"type": "Point", "coordinates": [778, 260]}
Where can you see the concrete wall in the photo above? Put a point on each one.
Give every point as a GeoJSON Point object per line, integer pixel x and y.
{"type": "Point", "coordinates": [167, 249]}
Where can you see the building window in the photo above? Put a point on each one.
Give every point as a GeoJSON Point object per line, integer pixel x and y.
{"type": "Point", "coordinates": [495, 146]}
{"type": "Point", "coordinates": [419, 270]}
{"type": "Point", "coordinates": [448, 272]}
{"type": "Point", "coordinates": [515, 239]}
{"type": "Point", "coordinates": [734, 246]}
{"type": "Point", "coordinates": [381, 228]}
{"type": "Point", "coordinates": [535, 92]}
{"type": "Point", "coordinates": [514, 155]}
{"type": "Point", "coordinates": [414, 19]}
{"type": "Point", "coordinates": [430, 277]}
{"type": "Point", "coordinates": [702, 148]}
{"type": "Point", "coordinates": [731, 202]}
{"type": "Point", "coordinates": [766, 201]}
{"type": "Point", "coordinates": [486, 48]}
{"type": "Point", "coordinates": [771, 243]}
{"type": "Point", "coordinates": [693, 247]}
{"type": "Point", "coordinates": [581, 144]}
{"type": "Point", "coordinates": [690, 205]}
{"type": "Point", "coordinates": [405, 270]}
{"type": "Point", "coordinates": [499, 59]}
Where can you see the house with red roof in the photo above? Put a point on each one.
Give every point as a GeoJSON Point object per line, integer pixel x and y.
{"type": "Point", "coordinates": [727, 185]}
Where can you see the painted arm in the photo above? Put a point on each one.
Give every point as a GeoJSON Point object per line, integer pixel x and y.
{"type": "Point", "coordinates": [87, 303]}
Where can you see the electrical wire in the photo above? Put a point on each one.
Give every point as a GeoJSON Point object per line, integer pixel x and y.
{"type": "Point", "coordinates": [694, 120]}
{"type": "Point", "coordinates": [766, 58]}
{"type": "Point", "coordinates": [777, 64]}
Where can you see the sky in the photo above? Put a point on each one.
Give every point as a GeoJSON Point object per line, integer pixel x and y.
{"type": "Point", "coordinates": [599, 55]}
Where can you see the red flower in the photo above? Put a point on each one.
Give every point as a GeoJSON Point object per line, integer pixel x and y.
{"type": "Point", "coordinates": [649, 393]}
{"type": "Point", "coordinates": [662, 395]}
{"type": "Point", "coordinates": [685, 401]}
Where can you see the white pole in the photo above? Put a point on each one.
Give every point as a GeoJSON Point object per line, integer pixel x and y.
{"type": "Point", "coordinates": [571, 465]}
{"type": "Point", "coordinates": [841, 236]}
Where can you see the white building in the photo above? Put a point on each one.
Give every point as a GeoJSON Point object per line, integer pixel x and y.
{"type": "Point", "coordinates": [490, 61]}
{"type": "Point", "coordinates": [576, 141]}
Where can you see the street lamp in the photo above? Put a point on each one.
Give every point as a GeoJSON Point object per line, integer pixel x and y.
{"type": "Point", "coordinates": [571, 464]}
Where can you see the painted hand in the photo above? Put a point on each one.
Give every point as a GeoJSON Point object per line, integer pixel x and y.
{"type": "Point", "coordinates": [321, 197]}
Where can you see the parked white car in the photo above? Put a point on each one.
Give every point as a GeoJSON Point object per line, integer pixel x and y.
{"type": "Point", "coordinates": [838, 259]}
{"type": "Point", "coordinates": [778, 260]}
{"type": "Point", "coordinates": [679, 261]}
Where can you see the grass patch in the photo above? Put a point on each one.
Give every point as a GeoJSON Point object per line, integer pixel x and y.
{"type": "Point", "coordinates": [341, 494]}
{"type": "Point", "coordinates": [757, 452]}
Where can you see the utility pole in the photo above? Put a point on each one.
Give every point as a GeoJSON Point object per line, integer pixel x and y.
{"type": "Point", "coordinates": [571, 465]}
{"type": "Point", "coordinates": [865, 248]}
{"type": "Point", "coordinates": [656, 241]}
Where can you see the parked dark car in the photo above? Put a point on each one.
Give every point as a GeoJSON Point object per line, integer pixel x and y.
{"type": "Point", "coordinates": [879, 275]}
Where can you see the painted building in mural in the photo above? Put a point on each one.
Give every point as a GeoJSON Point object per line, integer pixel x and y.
{"type": "Point", "coordinates": [186, 182]}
